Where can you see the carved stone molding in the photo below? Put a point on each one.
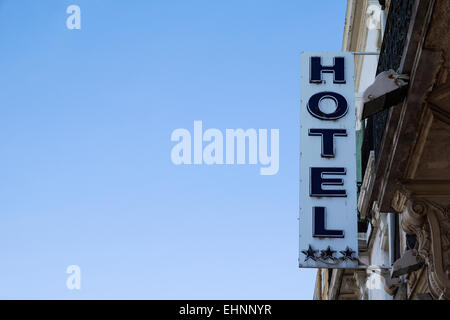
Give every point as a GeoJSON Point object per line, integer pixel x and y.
{"type": "Point", "coordinates": [418, 284]}
{"type": "Point", "coordinates": [399, 200]}
{"type": "Point", "coordinates": [361, 283]}
{"type": "Point", "coordinates": [430, 222]}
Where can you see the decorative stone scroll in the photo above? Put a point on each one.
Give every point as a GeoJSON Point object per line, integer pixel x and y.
{"type": "Point", "coordinates": [430, 222]}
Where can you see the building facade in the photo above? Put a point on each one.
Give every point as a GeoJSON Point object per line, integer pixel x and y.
{"type": "Point", "coordinates": [403, 153]}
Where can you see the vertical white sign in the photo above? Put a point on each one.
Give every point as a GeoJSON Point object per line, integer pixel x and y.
{"type": "Point", "coordinates": [328, 191]}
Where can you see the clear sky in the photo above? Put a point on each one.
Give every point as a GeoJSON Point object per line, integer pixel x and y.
{"type": "Point", "coordinates": [86, 176]}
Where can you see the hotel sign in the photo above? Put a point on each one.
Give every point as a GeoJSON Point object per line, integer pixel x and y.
{"type": "Point", "coordinates": [328, 199]}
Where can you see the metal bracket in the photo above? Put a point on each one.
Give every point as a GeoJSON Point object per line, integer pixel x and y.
{"type": "Point", "coordinates": [374, 268]}
{"type": "Point", "coordinates": [357, 53]}
{"type": "Point", "coordinates": [384, 102]}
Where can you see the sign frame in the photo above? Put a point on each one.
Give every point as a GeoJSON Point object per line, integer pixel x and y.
{"type": "Point", "coordinates": [328, 188]}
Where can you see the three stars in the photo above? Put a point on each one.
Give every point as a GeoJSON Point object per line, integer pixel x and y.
{"type": "Point", "coordinates": [328, 254]}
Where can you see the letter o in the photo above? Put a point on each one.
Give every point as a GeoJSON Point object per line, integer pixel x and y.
{"type": "Point", "coordinates": [341, 106]}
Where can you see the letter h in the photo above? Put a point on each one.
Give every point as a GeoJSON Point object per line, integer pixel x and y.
{"type": "Point", "coordinates": [316, 70]}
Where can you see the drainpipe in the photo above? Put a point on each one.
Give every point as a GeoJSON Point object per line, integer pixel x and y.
{"type": "Point", "coordinates": [320, 283]}
{"type": "Point", "coordinates": [391, 225]}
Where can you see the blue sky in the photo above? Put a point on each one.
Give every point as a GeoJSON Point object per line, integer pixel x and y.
{"type": "Point", "coordinates": [85, 124]}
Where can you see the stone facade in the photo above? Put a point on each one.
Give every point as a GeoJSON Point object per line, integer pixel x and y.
{"type": "Point", "coordinates": [405, 155]}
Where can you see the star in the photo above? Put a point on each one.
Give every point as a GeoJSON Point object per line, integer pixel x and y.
{"type": "Point", "coordinates": [327, 254]}
{"type": "Point", "coordinates": [310, 253]}
{"type": "Point", "coordinates": [347, 254]}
